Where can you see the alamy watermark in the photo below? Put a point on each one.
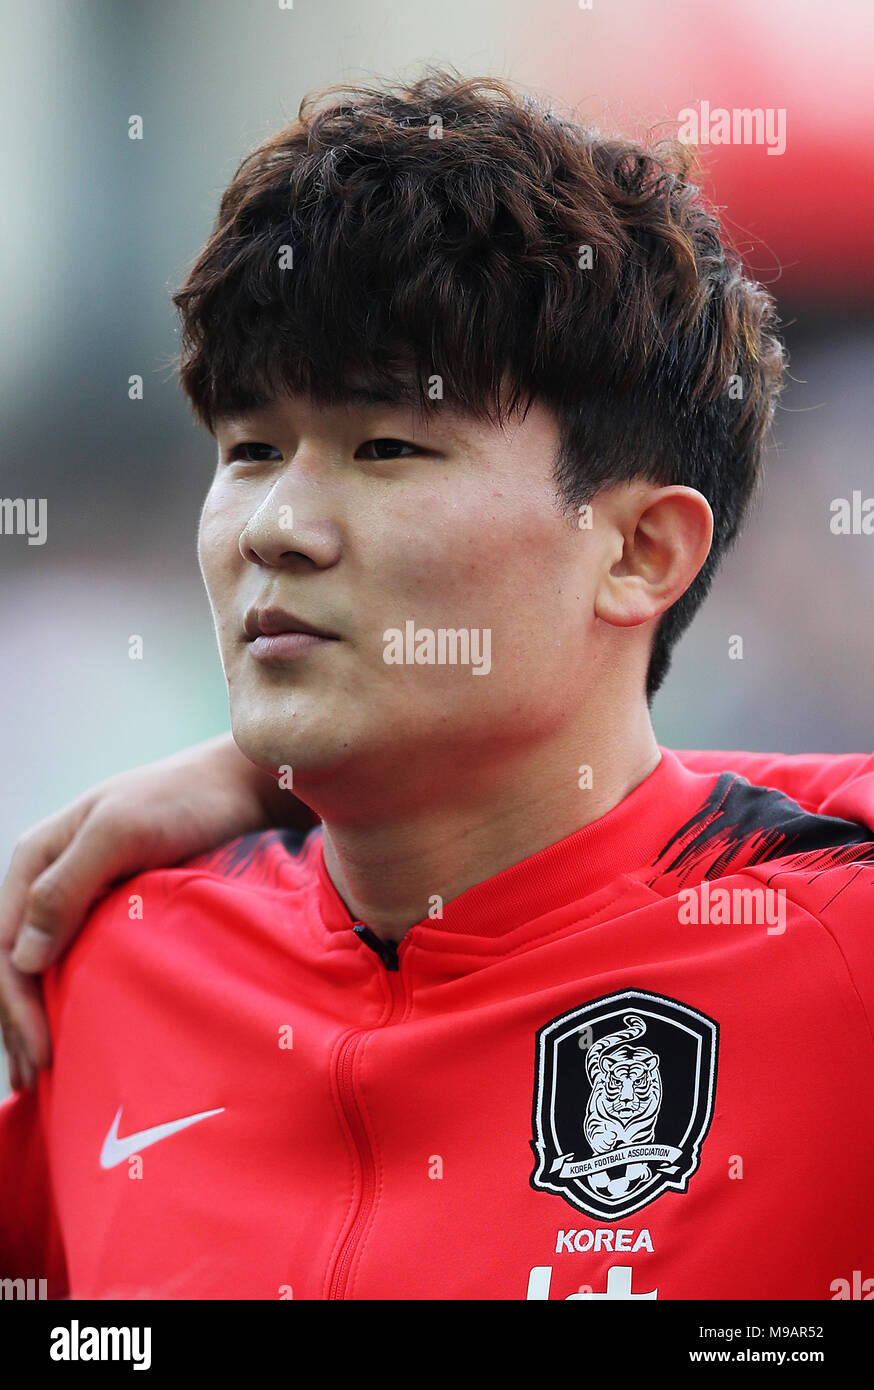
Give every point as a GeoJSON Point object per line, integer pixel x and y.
{"type": "Point", "coordinates": [714, 904]}
{"type": "Point", "coordinates": [23, 1288]}
{"type": "Point", "coordinates": [76, 1343]}
{"type": "Point", "coordinates": [443, 646]}
{"type": "Point", "coordinates": [852, 516]}
{"type": "Point", "coordinates": [24, 516]}
{"type": "Point", "coordinates": [739, 125]}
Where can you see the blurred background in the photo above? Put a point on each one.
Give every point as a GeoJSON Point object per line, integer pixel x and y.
{"type": "Point", "coordinates": [98, 229]}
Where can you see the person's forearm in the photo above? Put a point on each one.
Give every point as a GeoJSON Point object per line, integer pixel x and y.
{"type": "Point", "coordinates": [146, 818]}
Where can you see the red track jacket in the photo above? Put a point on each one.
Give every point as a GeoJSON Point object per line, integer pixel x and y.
{"type": "Point", "coordinates": [638, 1064]}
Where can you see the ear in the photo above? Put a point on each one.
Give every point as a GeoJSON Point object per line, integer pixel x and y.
{"type": "Point", "coordinates": [657, 539]}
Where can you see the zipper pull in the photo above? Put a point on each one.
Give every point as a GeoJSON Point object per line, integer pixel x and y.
{"type": "Point", "coordinates": [386, 950]}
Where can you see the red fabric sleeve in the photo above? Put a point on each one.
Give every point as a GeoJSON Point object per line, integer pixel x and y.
{"type": "Point", "coordinates": [30, 1239]}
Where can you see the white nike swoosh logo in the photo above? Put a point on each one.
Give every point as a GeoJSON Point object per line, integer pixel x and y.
{"type": "Point", "coordinates": [116, 1150]}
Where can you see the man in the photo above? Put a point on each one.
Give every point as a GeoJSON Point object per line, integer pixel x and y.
{"type": "Point", "coordinates": [539, 1010]}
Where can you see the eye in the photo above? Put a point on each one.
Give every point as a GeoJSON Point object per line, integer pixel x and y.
{"type": "Point", "coordinates": [391, 447]}
{"type": "Point", "coordinates": [249, 452]}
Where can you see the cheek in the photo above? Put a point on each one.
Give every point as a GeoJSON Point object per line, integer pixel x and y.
{"type": "Point", "coordinates": [217, 528]}
{"type": "Point", "coordinates": [217, 551]}
{"type": "Point", "coordinates": [511, 570]}
{"type": "Point", "coordinates": [508, 566]}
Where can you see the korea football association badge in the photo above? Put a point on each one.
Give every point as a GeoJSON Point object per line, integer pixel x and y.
{"type": "Point", "coordinates": [623, 1098]}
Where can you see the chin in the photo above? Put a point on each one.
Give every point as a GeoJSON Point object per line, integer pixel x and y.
{"type": "Point", "coordinates": [288, 738]}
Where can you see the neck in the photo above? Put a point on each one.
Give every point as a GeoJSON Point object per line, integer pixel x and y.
{"type": "Point", "coordinates": [390, 869]}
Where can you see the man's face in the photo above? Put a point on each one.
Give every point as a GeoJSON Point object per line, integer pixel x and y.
{"type": "Point", "coordinates": [366, 520]}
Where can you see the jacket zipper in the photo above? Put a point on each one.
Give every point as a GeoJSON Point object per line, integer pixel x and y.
{"type": "Point", "coordinates": [388, 953]}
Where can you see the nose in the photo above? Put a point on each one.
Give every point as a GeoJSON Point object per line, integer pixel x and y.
{"type": "Point", "coordinates": [281, 534]}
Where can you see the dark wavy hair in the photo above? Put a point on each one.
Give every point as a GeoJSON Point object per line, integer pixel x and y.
{"type": "Point", "coordinates": [441, 227]}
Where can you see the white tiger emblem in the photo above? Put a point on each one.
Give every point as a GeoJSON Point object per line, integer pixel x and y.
{"type": "Point", "coordinates": [624, 1103]}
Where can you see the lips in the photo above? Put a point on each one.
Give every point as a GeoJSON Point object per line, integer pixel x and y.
{"type": "Point", "coordinates": [271, 622]}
